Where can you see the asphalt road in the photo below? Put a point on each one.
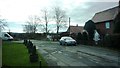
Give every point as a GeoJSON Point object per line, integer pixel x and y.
{"type": "Point", "coordinates": [80, 55]}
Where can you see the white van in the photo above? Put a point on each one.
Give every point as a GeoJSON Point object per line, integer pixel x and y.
{"type": "Point", "coordinates": [5, 36]}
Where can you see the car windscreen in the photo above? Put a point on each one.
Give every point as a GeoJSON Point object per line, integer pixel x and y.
{"type": "Point", "coordinates": [68, 38]}
{"type": "Point", "coordinates": [6, 35]}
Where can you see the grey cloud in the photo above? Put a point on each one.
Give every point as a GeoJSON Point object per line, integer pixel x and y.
{"type": "Point", "coordinates": [81, 15]}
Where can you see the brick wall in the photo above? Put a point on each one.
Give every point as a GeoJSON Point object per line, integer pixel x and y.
{"type": "Point", "coordinates": [102, 28]}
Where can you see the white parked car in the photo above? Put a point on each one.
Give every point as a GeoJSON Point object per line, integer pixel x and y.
{"type": "Point", "coordinates": [5, 36]}
{"type": "Point", "coordinates": [67, 41]}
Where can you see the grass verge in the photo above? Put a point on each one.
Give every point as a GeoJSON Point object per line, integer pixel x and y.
{"type": "Point", "coordinates": [16, 54]}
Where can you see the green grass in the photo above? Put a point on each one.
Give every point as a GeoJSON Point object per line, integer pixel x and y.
{"type": "Point", "coordinates": [16, 54]}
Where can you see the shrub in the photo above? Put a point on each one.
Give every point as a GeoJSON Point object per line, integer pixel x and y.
{"type": "Point", "coordinates": [85, 37]}
{"type": "Point", "coordinates": [112, 40]}
{"type": "Point", "coordinates": [79, 38]}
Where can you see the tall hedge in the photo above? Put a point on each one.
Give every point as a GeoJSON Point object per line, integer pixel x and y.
{"type": "Point", "coordinates": [90, 27]}
{"type": "Point", "coordinates": [117, 24]}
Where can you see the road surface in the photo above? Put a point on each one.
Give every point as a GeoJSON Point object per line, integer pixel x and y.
{"type": "Point", "coordinates": [80, 55]}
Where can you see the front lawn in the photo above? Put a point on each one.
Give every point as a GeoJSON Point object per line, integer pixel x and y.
{"type": "Point", "coordinates": [16, 54]}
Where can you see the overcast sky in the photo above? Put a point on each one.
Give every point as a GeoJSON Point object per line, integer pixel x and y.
{"type": "Point", "coordinates": [16, 12]}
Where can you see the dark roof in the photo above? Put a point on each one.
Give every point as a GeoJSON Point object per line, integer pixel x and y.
{"type": "Point", "coordinates": [75, 29]}
{"type": "Point", "coordinates": [105, 15]}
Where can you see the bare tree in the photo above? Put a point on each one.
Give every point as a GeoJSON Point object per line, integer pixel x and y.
{"type": "Point", "coordinates": [31, 24]}
{"type": "Point", "coordinates": [3, 24]}
{"type": "Point", "coordinates": [27, 28]}
{"type": "Point", "coordinates": [46, 19]}
{"type": "Point", "coordinates": [60, 18]}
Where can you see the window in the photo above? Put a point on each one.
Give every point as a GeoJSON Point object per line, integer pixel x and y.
{"type": "Point", "coordinates": [107, 25]}
{"type": "Point", "coordinates": [6, 35]}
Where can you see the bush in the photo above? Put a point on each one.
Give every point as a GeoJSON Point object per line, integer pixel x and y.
{"type": "Point", "coordinates": [115, 39]}
{"type": "Point", "coordinates": [112, 40]}
{"type": "Point", "coordinates": [79, 38]}
{"type": "Point", "coordinates": [85, 37]}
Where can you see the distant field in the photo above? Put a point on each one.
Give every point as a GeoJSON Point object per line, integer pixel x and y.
{"type": "Point", "coordinates": [16, 54]}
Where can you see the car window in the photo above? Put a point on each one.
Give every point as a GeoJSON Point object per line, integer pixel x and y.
{"type": "Point", "coordinates": [6, 35]}
{"type": "Point", "coordinates": [68, 38]}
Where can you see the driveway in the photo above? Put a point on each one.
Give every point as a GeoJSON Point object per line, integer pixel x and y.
{"type": "Point", "coordinates": [80, 55]}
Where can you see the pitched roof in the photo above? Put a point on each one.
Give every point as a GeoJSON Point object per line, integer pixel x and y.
{"type": "Point", "coordinates": [105, 15]}
{"type": "Point", "coordinates": [75, 29]}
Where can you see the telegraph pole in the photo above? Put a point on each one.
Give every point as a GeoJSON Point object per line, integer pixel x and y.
{"type": "Point", "coordinates": [69, 25]}
{"type": "Point", "coordinates": [119, 5]}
